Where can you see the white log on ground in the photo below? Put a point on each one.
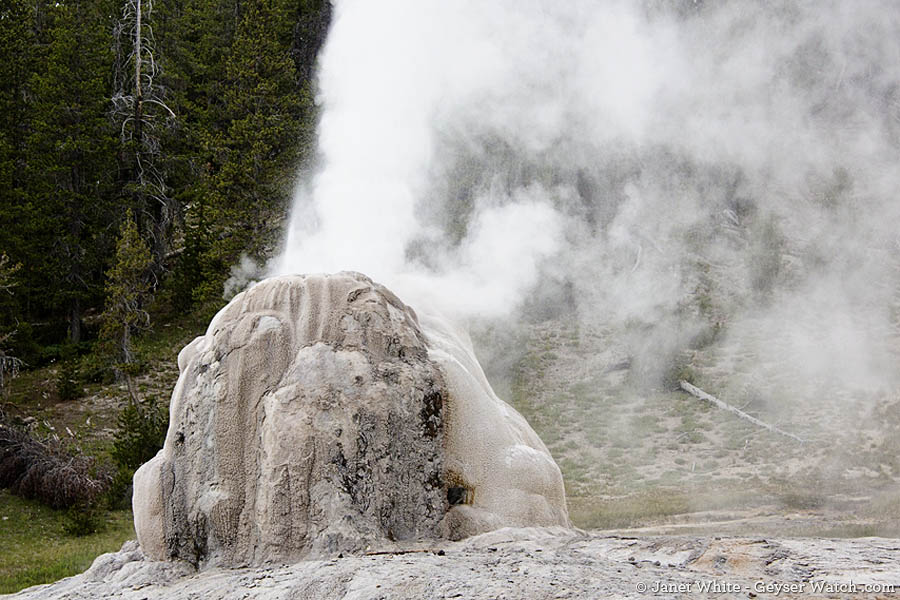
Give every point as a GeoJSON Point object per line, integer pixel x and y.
{"type": "Point", "coordinates": [697, 392]}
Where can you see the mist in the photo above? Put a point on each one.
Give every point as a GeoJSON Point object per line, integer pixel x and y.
{"type": "Point", "coordinates": [697, 177]}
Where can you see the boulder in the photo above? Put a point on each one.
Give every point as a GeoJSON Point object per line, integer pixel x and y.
{"type": "Point", "coordinates": [318, 415]}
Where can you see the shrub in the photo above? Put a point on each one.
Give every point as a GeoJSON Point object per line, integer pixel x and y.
{"type": "Point", "coordinates": [679, 370]}
{"type": "Point", "coordinates": [118, 496]}
{"type": "Point", "coordinates": [46, 471]}
{"type": "Point", "coordinates": [83, 520]}
{"type": "Point", "coordinates": [67, 383]}
{"type": "Point", "coordinates": [95, 367]}
{"type": "Point", "coordinates": [141, 433]}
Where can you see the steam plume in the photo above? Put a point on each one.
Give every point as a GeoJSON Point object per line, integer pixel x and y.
{"type": "Point", "coordinates": [690, 167]}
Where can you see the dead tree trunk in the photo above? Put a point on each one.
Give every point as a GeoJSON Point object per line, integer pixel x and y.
{"type": "Point", "coordinates": [697, 392]}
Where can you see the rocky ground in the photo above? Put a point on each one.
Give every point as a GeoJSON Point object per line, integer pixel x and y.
{"type": "Point", "coordinates": [522, 563]}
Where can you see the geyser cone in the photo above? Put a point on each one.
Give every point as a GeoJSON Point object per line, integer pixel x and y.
{"type": "Point", "coordinates": [318, 415]}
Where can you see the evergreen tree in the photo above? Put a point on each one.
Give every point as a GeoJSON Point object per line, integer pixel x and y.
{"type": "Point", "coordinates": [195, 46]}
{"type": "Point", "coordinates": [18, 54]}
{"type": "Point", "coordinates": [70, 163]}
{"type": "Point", "coordinates": [240, 79]}
{"type": "Point", "coordinates": [257, 154]}
{"type": "Point", "coordinates": [76, 131]}
{"type": "Point", "coordinates": [127, 294]}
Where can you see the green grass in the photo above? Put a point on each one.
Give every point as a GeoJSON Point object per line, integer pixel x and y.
{"type": "Point", "coordinates": [35, 549]}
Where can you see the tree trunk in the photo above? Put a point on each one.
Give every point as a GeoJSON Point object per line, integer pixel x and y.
{"type": "Point", "coordinates": [75, 322]}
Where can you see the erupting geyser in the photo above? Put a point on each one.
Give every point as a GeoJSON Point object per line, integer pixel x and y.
{"type": "Point", "coordinates": [318, 414]}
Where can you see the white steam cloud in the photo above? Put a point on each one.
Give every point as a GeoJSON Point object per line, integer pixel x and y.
{"type": "Point", "coordinates": [688, 166]}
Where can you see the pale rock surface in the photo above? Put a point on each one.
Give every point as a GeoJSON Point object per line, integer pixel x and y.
{"type": "Point", "coordinates": [318, 416]}
{"type": "Point", "coordinates": [532, 564]}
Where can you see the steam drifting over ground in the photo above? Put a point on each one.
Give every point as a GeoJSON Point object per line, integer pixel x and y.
{"type": "Point", "coordinates": [690, 174]}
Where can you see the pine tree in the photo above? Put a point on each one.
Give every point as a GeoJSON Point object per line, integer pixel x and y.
{"type": "Point", "coordinates": [127, 294]}
{"type": "Point", "coordinates": [258, 153]}
{"type": "Point", "coordinates": [142, 424]}
{"type": "Point", "coordinates": [238, 75]}
{"type": "Point", "coordinates": [70, 163]}
{"type": "Point", "coordinates": [195, 47]}
{"type": "Point", "coordinates": [18, 55]}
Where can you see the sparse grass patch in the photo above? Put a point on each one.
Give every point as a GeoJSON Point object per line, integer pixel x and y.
{"type": "Point", "coordinates": [654, 504]}
{"type": "Point", "coordinates": [582, 389]}
{"type": "Point", "coordinates": [625, 440]}
{"type": "Point", "coordinates": [646, 423]}
{"type": "Point", "coordinates": [670, 477]}
{"type": "Point", "coordinates": [884, 506]}
{"type": "Point", "coordinates": [854, 530]}
{"type": "Point", "coordinates": [568, 445]}
{"type": "Point", "coordinates": [32, 387]}
{"type": "Point", "coordinates": [691, 437]}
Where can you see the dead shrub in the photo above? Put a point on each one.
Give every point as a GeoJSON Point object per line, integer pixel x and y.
{"type": "Point", "coordinates": [47, 471]}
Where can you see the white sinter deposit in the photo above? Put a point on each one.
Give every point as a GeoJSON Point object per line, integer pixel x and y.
{"type": "Point", "coordinates": [318, 415]}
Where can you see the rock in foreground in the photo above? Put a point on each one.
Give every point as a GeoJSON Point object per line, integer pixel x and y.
{"type": "Point", "coordinates": [536, 564]}
{"type": "Point", "coordinates": [318, 416]}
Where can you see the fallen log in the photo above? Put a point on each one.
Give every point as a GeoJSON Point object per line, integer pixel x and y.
{"type": "Point", "coordinates": [697, 392]}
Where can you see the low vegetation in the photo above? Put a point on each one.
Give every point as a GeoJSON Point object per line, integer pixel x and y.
{"type": "Point", "coordinates": [45, 470]}
{"type": "Point", "coordinates": [35, 547]}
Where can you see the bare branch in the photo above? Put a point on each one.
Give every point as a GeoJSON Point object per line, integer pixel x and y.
{"type": "Point", "coordinates": [161, 104]}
